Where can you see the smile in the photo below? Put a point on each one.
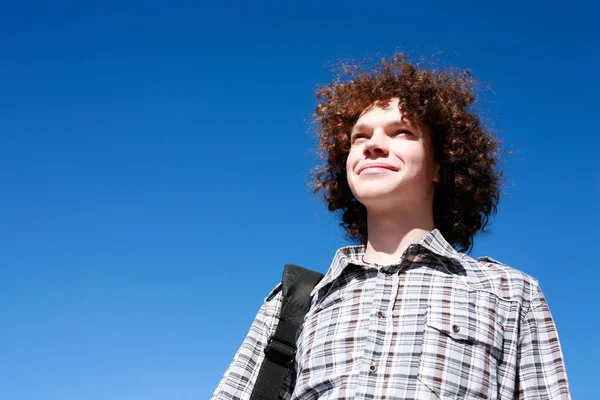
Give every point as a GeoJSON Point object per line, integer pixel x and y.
{"type": "Point", "coordinates": [376, 168]}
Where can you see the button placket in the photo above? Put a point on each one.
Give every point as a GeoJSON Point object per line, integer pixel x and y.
{"type": "Point", "coordinates": [380, 303]}
{"type": "Point", "coordinates": [384, 302]}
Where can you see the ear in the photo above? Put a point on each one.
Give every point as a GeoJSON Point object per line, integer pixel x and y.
{"type": "Point", "coordinates": [436, 173]}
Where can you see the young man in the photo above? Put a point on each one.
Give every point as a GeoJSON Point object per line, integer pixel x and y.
{"type": "Point", "coordinates": [405, 315]}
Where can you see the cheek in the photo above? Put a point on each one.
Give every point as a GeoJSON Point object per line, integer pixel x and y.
{"type": "Point", "coordinates": [351, 160]}
{"type": "Point", "coordinates": [419, 162]}
{"type": "Point", "coordinates": [349, 170]}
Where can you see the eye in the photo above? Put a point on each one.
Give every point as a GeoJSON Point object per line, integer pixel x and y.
{"type": "Point", "coordinates": [404, 132]}
{"type": "Point", "coordinates": [358, 137]}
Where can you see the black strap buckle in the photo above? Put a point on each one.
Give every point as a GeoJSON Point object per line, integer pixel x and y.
{"type": "Point", "coordinates": [280, 352]}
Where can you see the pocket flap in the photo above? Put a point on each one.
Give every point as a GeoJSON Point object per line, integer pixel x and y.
{"type": "Point", "coordinates": [465, 321]}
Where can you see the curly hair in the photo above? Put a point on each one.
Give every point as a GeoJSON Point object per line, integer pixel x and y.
{"type": "Point", "coordinates": [469, 187]}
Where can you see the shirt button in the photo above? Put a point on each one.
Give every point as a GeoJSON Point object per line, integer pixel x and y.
{"type": "Point", "coordinates": [456, 328]}
{"type": "Point", "coordinates": [372, 368]}
{"type": "Point", "coordinates": [380, 314]}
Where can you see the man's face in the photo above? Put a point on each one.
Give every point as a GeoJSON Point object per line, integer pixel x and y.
{"type": "Point", "coordinates": [390, 164]}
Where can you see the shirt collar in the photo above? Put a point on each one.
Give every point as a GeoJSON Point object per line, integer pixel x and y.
{"type": "Point", "coordinates": [433, 242]}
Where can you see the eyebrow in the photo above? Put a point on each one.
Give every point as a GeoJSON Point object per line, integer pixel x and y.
{"type": "Point", "coordinates": [397, 123]}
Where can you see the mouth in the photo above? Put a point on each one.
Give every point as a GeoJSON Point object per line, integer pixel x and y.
{"type": "Point", "coordinates": [374, 168]}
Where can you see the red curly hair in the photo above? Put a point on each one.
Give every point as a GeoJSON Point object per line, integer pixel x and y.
{"type": "Point", "coordinates": [468, 191]}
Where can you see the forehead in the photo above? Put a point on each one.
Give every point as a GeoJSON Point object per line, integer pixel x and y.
{"type": "Point", "coordinates": [382, 113]}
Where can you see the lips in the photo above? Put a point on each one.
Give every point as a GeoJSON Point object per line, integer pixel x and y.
{"type": "Point", "coordinates": [377, 166]}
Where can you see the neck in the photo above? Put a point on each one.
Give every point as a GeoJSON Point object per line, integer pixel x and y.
{"type": "Point", "coordinates": [389, 235]}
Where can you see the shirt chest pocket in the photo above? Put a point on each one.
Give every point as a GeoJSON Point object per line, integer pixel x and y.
{"type": "Point", "coordinates": [462, 347]}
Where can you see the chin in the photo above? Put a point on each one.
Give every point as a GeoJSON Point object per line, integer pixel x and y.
{"type": "Point", "coordinates": [375, 197]}
{"type": "Point", "coordinates": [375, 191]}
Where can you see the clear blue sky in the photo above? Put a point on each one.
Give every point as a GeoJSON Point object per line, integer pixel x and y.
{"type": "Point", "coordinates": [154, 165]}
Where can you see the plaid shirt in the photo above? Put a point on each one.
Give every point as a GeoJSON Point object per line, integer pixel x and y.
{"type": "Point", "coordinates": [437, 325]}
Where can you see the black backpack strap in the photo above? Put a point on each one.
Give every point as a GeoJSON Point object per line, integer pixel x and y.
{"type": "Point", "coordinates": [280, 353]}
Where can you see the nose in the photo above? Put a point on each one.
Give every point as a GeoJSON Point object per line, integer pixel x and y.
{"type": "Point", "coordinates": [376, 145]}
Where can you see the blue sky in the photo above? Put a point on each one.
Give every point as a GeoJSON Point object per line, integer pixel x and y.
{"type": "Point", "coordinates": [154, 178]}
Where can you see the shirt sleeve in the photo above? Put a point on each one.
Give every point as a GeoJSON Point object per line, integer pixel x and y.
{"type": "Point", "coordinates": [238, 381]}
{"type": "Point", "coordinates": [541, 370]}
